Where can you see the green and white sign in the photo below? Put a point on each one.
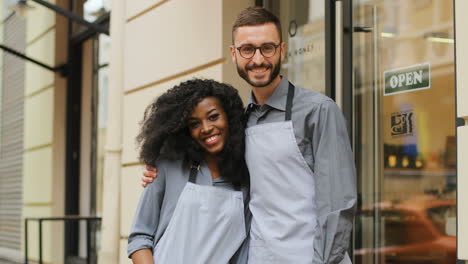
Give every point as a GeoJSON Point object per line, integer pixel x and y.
{"type": "Point", "coordinates": [408, 79]}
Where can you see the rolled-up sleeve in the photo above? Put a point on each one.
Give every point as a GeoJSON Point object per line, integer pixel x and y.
{"type": "Point", "coordinates": [146, 219]}
{"type": "Point", "coordinates": [335, 185]}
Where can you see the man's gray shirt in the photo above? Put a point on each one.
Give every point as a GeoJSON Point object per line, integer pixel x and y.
{"type": "Point", "coordinates": [322, 138]}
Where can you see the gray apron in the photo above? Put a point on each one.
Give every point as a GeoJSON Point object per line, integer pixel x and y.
{"type": "Point", "coordinates": [282, 194]}
{"type": "Point", "coordinates": [207, 226]}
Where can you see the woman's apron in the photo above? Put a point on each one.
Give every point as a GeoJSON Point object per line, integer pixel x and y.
{"type": "Point", "coordinates": [207, 226]}
{"type": "Point", "coordinates": [282, 194]}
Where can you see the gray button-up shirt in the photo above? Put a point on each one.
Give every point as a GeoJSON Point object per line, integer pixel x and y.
{"type": "Point", "coordinates": [322, 138]}
{"type": "Point", "coordinates": [159, 199]}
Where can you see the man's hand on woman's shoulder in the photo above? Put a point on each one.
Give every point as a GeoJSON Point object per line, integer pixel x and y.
{"type": "Point", "coordinates": [149, 174]}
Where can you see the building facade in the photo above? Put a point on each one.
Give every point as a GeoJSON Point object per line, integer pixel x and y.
{"type": "Point", "coordinates": [67, 143]}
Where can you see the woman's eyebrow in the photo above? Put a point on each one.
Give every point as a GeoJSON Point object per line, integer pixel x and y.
{"type": "Point", "coordinates": [209, 112]}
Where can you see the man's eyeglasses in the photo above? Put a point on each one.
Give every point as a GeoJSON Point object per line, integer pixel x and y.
{"type": "Point", "coordinates": [248, 51]}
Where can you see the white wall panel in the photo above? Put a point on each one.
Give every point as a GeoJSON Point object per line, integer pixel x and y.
{"type": "Point", "coordinates": [42, 50]}
{"type": "Point", "coordinates": [130, 195]}
{"type": "Point", "coordinates": [134, 7]}
{"type": "Point", "coordinates": [462, 182]}
{"type": "Point", "coordinates": [38, 120]}
{"type": "Point", "coordinates": [171, 39]}
{"type": "Point", "coordinates": [123, 259]}
{"type": "Point", "coordinates": [38, 20]}
{"type": "Point", "coordinates": [38, 183]}
{"type": "Point", "coordinates": [462, 57]}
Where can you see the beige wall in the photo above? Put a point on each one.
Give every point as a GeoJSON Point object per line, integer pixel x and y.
{"type": "Point", "coordinates": [2, 7]}
{"type": "Point", "coordinates": [44, 132]}
{"type": "Point", "coordinates": [462, 112]}
{"type": "Point", "coordinates": [166, 42]}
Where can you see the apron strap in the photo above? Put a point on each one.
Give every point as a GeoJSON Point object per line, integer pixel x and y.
{"type": "Point", "coordinates": [289, 102]}
{"type": "Point", "coordinates": [194, 168]}
{"type": "Point", "coordinates": [245, 116]}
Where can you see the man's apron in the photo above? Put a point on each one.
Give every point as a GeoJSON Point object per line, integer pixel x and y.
{"type": "Point", "coordinates": [207, 226]}
{"type": "Point", "coordinates": [282, 191]}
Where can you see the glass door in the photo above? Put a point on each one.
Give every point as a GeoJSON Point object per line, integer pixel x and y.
{"type": "Point", "coordinates": [404, 132]}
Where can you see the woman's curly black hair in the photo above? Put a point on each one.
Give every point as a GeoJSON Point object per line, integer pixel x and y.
{"type": "Point", "coordinates": [164, 131]}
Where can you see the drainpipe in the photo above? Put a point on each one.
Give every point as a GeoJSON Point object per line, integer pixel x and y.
{"type": "Point", "coordinates": [110, 241]}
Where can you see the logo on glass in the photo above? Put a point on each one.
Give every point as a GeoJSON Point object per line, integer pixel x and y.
{"type": "Point", "coordinates": [402, 123]}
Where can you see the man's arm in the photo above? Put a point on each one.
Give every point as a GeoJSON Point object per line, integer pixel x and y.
{"type": "Point", "coordinates": [335, 185]}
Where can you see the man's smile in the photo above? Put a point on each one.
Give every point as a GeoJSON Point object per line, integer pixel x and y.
{"type": "Point", "coordinates": [259, 70]}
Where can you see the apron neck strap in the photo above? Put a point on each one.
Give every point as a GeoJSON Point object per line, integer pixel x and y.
{"type": "Point", "coordinates": [194, 168]}
{"type": "Point", "coordinates": [289, 102]}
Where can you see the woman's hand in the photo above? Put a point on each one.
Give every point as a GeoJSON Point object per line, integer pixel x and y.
{"type": "Point", "coordinates": [149, 174]}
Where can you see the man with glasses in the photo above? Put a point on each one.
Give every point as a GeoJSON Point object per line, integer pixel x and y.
{"type": "Point", "coordinates": [303, 189]}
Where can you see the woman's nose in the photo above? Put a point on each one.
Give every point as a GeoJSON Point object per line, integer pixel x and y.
{"type": "Point", "coordinates": [206, 128]}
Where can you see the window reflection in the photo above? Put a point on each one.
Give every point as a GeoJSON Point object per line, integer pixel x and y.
{"type": "Point", "coordinates": [413, 231]}
{"type": "Point", "coordinates": [407, 151]}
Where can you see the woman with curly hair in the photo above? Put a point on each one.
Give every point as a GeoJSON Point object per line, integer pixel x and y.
{"type": "Point", "coordinates": [194, 211]}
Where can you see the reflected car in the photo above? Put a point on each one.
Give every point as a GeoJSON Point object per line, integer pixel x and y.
{"type": "Point", "coordinates": [413, 232]}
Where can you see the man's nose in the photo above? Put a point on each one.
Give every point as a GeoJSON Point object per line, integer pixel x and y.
{"type": "Point", "coordinates": [258, 57]}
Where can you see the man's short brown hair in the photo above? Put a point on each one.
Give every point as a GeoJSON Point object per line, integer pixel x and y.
{"type": "Point", "coordinates": [253, 16]}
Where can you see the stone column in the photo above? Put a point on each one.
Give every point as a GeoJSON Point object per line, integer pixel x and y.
{"type": "Point", "coordinates": [109, 252]}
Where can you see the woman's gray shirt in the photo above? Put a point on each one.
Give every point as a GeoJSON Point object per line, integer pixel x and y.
{"type": "Point", "coordinates": [159, 199]}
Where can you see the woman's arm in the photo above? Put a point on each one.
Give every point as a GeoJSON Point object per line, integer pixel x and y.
{"type": "Point", "coordinates": [146, 219]}
{"type": "Point", "coordinates": [143, 256]}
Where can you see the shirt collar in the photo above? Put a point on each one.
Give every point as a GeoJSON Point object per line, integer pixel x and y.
{"type": "Point", "coordinates": [277, 99]}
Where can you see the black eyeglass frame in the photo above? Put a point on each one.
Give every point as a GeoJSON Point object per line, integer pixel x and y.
{"type": "Point", "coordinates": [259, 48]}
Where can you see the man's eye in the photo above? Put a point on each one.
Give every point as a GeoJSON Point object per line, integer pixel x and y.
{"type": "Point", "coordinates": [213, 117]}
{"type": "Point", "coordinates": [268, 48]}
{"type": "Point", "coordinates": [247, 49]}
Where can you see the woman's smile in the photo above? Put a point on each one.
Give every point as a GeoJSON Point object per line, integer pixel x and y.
{"type": "Point", "coordinates": [212, 140]}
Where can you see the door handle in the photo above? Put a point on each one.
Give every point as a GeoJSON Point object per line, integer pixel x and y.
{"type": "Point", "coordinates": [339, 53]}
{"type": "Point", "coordinates": [364, 29]}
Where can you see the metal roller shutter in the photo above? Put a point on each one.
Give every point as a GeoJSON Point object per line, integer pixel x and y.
{"type": "Point", "coordinates": [11, 134]}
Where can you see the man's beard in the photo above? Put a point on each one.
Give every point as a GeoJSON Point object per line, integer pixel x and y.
{"type": "Point", "coordinates": [275, 70]}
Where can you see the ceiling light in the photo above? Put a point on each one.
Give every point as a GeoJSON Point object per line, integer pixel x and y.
{"type": "Point", "coordinates": [387, 35]}
{"type": "Point", "coordinates": [439, 37]}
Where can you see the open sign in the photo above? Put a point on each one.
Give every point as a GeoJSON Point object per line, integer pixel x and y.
{"type": "Point", "coordinates": [407, 79]}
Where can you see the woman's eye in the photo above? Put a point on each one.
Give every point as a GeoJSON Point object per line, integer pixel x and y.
{"type": "Point", "coordinates": [192, 125]}
{"type": "Point", "coordinates": [213, 117]}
